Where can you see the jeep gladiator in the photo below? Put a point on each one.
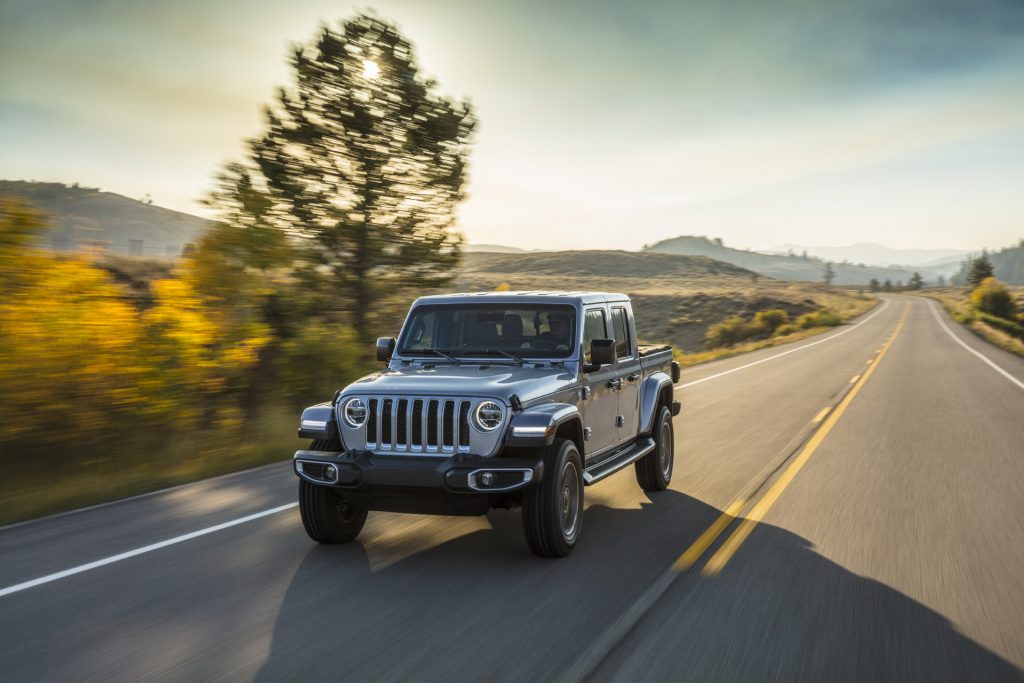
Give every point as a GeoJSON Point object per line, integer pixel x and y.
{"type": "Point", "coordinates": [493, 400]}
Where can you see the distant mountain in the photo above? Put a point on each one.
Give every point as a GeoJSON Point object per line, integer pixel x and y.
{"type": "Point", "coordinates": [784, 267]}
{"type": "Point", "coordinates": [1007, 263]}
{"type": "Point", "coordinates": [492, 249]}
{"type": "Point", "coordinates": [876, 254]}
{"type": "Point", "coordinates": [83, 216]}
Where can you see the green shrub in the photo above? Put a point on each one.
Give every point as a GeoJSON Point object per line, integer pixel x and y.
{"type": "Point", "coordinates": [788, 328]}
{"type": "Point", "coordinates": [726, 333]}
{"type": "Point", "coordinates": [771, 319]}
{"type": "Point", "coordinates": [992, 297]}
{"type": "Point", "coordinates": [826, 317]}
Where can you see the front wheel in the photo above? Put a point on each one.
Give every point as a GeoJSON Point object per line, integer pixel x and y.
{"type": "Point", "coordinates": [654, 470]}
{"type": "Point", "coordinates": [553, 509]}
{"type": "Point", "coordinates": [326, 516]}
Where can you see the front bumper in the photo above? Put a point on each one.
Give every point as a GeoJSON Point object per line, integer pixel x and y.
{"type": "Point", "coordinates": [460, 484]}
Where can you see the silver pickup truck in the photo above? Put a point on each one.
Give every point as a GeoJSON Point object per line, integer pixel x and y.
{"type": "Point", "coordinates": [499, 399]}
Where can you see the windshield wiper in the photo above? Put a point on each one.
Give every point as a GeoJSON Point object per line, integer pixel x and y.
{"type": "Point", "coordinates": [443, 354]}
{"type": "Point", "coordinates": [498, 352]}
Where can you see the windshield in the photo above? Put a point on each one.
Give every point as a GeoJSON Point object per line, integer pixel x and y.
{"type": "Point", "coordinates": [522, 330]}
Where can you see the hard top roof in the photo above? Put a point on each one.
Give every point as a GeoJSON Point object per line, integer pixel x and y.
{"type": "Point", "coordinates": [535, 297]}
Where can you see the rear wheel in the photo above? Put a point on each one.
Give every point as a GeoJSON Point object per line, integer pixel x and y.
{"type": "Point", "coordinates": [654, 470]}
{"type": "Point", "coordinates": [553, 509]}
{"type": "Point", "coordinates": [326, 516]}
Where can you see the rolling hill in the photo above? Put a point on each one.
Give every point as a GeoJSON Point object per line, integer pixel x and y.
{"type": "Point", "coordinates": [84, 216]}
{"type": "Point", "coordinates": [1008, 265]}
{"type": "Point", "coordinates": [676, 298]}
{"type": "Point", "coordinates": [784, 267]}
{"type": "Point", "coordinates": [876, 254]}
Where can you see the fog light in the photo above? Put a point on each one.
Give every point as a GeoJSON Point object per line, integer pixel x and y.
{"type": "Point", "coordinates": [487, 478]}
{"type": "Point", "coordinates": [331, 473]}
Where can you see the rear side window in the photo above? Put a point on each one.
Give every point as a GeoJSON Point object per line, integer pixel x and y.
{"type": "Point", "coordinates": [621, 324]}
{"type": "Point", "coordinates": [593, 328]}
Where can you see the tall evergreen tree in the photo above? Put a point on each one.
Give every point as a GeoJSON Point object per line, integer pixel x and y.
{"type": "Point", "coordinates": [829, 274]}
{"type": "Point", "coordinates": [362, 164]}
{"type": "Point", "coordinates": [980, 269]}
{"type": "Point", "coordinates": [916, 281]}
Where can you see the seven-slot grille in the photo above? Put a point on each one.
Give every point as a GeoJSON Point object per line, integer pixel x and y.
{"type": "Point", "coordinates": [418, 425]}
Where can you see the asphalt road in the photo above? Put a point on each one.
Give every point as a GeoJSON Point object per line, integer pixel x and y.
{"type": "Point", "coordinates": [883, 463]}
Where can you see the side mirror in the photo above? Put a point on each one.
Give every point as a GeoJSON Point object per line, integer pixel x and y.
{"type": "Point", "coordinates": [602, 352]}
{"type": "Point", "coordinates": [385, 347]}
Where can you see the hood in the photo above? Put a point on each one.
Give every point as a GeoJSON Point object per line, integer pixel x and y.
{"type": "Point", "coordinates": [493, 381]}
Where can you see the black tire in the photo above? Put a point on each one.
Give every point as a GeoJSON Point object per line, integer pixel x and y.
{"type": "Point", "coordinates": [553, 509]}
{"type": "Point", "coordinates": [654, 470]}
{"type": "Point", "coordinates": [326, 516]}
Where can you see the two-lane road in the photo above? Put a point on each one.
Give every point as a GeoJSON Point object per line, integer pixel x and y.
{"type": "Point", "coordinates": [882, 462]}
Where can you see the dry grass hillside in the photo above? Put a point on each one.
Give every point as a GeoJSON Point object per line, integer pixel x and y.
{"type": "Point", "coordinates": [676, 297]}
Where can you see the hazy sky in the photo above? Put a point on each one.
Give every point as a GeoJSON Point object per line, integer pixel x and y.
{"type": "Point", "coordinates": [601, 124]}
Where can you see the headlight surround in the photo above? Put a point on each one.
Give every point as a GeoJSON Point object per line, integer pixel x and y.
{"type": "Point", "coordinates": [354, 412]}
{"type": "Point", "coordinates": [488, 416]}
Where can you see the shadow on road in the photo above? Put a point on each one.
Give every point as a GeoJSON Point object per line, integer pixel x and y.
{"type": "Point", "coordinates": [480, 607]}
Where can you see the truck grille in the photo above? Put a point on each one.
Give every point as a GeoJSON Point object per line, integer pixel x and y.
{"type": "Point", "coordinates": [418, 425]}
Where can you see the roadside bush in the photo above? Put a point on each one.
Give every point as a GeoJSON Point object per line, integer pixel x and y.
{"type": "Point", "coordinates": [771, 319]}
{"type": "Point", "coordinates": [726, 333]}
{"type": "Point", "coordinates": [826, 317]}
{"type": "Point", "coordinates": [991, 296]}
{"type": "Point", "coordinates": [788, 328]}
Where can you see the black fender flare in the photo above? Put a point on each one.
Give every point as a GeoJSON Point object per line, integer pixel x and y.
{"type": "Point", "coordinates": [318, 422]}
{"type": "Point", "coordinates": [537, 426]}
{"type": "Point", "coordinates": [650, 397]}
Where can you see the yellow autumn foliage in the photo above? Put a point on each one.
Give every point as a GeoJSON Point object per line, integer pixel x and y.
{"type": "Point", "coordinates": [79, 363]}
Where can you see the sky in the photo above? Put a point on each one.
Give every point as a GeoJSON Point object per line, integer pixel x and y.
{"type": "Point", "coordinates": [601, 124]}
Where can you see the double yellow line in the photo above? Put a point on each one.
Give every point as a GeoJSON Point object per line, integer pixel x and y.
{"type": "Point", "coordinates": [725, 552]}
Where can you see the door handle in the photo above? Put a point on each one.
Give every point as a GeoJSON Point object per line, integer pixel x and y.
{"type": "Point", "coordinates": [615, 383]}
{"type": "Point", "coordinates": [634, 377]}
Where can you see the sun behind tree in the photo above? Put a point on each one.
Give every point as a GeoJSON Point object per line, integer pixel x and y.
{"type": "Point", "coordinates": [361, 164]}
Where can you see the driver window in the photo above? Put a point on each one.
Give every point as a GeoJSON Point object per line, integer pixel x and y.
{"type": "Point", "coordinates": [593, 328]}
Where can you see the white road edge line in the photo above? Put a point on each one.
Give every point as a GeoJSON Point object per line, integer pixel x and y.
{"type": "Point", "coordinates": [934, 307]}
{"type": "Point", "coordinates": [139, 551]}
{"type": "Point", "coordinates": [786, 353]}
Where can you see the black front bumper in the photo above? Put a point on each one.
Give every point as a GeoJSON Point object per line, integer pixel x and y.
{"type": "Point", "coordinates": [403, 483]}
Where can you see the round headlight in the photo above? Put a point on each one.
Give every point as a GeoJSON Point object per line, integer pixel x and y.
{"type": "Point", "coordinates": [487, 416]}
{"type": "Point", "coordinates": [354, 411]}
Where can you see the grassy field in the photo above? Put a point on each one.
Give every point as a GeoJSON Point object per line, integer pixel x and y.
{"type": "Point", "coordinates": [676, 298]}
{"type": "Point", "coordinates": [958, 303]}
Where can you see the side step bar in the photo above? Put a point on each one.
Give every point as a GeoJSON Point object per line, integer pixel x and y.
{"type": "Point", "coordinates": [605, 468]}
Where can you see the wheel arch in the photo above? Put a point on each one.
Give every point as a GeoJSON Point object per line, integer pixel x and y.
{"type": "Point", "coordinates": [657, 391]}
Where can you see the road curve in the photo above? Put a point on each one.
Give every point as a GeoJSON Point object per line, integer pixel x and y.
{"type": "Point", "coordinates": [882, 462]}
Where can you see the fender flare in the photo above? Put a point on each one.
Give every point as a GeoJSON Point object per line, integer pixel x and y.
{"type": "Point", "coordinates": [318, 422]}
{"type": "Point", "coordinates": [537, 426]}
{"type": "Point", "coordinates": [650, 397]}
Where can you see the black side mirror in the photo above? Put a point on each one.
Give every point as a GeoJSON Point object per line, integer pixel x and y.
{"type": "Point", "coordinates": [385, 347]}
{"type": "Point", "coordinates": [602, 352]}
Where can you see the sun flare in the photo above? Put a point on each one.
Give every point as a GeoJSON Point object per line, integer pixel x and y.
{"type": "Point", "coordinates": [370, 69]}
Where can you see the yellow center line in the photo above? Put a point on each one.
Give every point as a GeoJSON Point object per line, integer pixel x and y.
{"type": "Point", "coordinates": [821, 416]}
{"type": "Point", "coordinates": [732, 544]}
{"type": "Point", "coordinates": [693, 553]}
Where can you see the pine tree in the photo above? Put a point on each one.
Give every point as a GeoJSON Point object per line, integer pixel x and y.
{"type": "Point", "coordinates": [829, 274]}
{"type": "Point", "coordinates": [362, 164]}
{"type": "Point", "coordinates": [980, 269]}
